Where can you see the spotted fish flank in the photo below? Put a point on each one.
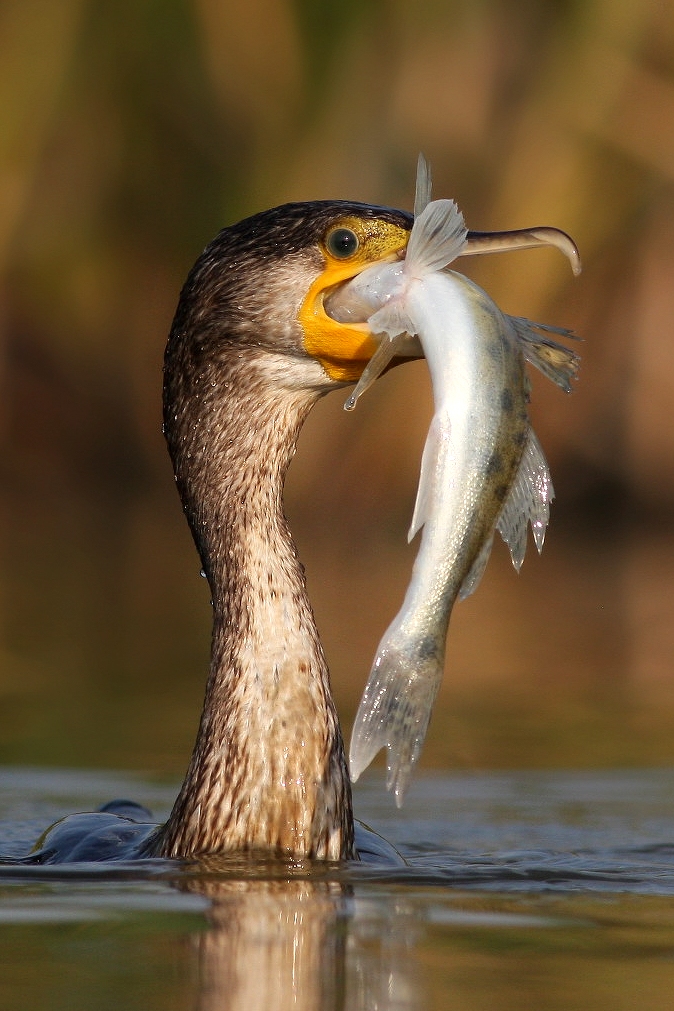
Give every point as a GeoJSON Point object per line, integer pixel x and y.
{"type": "Point", "coordinates": [482, 468]}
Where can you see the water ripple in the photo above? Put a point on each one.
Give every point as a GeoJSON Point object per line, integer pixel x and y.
{"type": "Point", "coordinates": [512, 833]}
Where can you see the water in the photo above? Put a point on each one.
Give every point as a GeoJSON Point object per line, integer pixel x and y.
{"type": "Point", "coordinates": [522, 890]}
{"type": "Point", "coordinates": [532, 890]}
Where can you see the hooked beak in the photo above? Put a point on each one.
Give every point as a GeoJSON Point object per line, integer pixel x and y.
{"type": "Point", "coordinates": [499, 242]}
{"type": "Point", "coordinates": [523, 238]}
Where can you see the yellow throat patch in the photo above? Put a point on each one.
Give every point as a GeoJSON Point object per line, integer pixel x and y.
{"type": "Point", "coordinates": [349, 246]}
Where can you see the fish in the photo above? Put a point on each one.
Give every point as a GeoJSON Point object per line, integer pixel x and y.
{"type": "Point", "coordinates": [482, 469]}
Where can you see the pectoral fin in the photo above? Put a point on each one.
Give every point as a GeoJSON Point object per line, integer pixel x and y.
{"type": "Point", "coordinates": [439, 431]}
{"type": "Point", "coordinates": [374, 368]}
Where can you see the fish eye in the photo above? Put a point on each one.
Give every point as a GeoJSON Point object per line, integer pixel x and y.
{"type": "Point", "coordinates": [342, 243]}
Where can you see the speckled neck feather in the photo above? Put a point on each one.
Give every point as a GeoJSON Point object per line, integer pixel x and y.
{"type": "Point", "coordinates": [268, 771]}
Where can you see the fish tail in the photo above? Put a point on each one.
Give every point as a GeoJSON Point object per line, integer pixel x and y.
{"type": "Point", "coordinates": [394, 713]}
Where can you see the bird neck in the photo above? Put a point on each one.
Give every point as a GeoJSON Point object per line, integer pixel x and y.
{"type": "Point", "coordinates": [268, 769]}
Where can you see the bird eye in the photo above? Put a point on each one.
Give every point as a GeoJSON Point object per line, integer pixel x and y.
{"type": "Point", "coordinates": [342, 243]}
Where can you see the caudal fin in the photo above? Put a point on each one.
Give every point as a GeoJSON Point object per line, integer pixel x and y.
{"type": "Point", "coordinates": [394, 713]}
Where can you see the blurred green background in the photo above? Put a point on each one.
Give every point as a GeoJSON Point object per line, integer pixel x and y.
{"type": "Point", "coordinates": [131, 132]}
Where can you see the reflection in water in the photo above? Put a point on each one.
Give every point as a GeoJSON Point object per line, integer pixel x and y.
{"type": "Point", "coordinates": [521, 890]}
{"type": "Point", "coordinates": [272, 944]}
{"type": "Point", "coordinates": [295, 944]}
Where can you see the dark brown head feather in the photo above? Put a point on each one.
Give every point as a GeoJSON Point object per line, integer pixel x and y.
{"type": "Point", "coordinates": [236, 284]}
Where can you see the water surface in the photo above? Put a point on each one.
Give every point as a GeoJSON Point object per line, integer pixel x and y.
{"type": "Point", "coordinates": [532, 890]}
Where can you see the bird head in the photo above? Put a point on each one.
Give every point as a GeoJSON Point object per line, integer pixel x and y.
{"type": "Point", "coordinates": [261, 285]}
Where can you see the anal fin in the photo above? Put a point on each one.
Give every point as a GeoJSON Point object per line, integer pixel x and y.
{"type": "Point", "coordinates": [528, 502]}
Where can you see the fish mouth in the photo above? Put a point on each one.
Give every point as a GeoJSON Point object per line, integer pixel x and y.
{"type": "Point", "coordinates": [347, 306]}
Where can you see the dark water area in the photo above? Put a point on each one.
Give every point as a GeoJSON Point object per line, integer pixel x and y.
{"type": "Point", "coordinates": [521, 889]}
{"type": "Point", "coordinates": [524, 890]}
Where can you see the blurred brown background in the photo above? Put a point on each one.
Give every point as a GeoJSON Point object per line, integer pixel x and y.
{"type": "Point", "coordinates": [131, 132]}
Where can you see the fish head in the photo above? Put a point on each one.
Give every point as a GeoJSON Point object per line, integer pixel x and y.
{"type": "Point", "coordinates": [362, 240]}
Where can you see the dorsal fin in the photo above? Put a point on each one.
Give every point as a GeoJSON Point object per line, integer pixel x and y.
{"type": "Point", "coordinates": [422, 195]}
